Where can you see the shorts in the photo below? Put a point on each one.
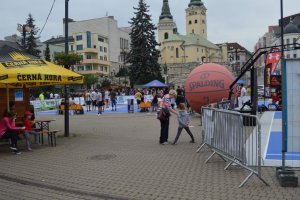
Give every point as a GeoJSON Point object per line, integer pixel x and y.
{"type": "Point", "coordinates": [154, 104]}
{"type": "Point", "coordinates": [88, 102]}
{"type": "Point", "coordinates": [94, 103]}
{"type": "Point", "coordinates": [138, 102]}
{"type": "Point", "coordinates": [100, 104]}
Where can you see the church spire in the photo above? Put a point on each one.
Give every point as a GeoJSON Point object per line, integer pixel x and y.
{"type": "Point", "coordinates": [195, 3]}
{"type": "Point", "coordinates": [165, 12]}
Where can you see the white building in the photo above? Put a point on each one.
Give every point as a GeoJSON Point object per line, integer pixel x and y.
{"type": "Point", "coordinates": [115, 39]}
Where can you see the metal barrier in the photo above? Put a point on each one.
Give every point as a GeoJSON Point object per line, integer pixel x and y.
{"type": "Point", "coordinates": [235, 137]}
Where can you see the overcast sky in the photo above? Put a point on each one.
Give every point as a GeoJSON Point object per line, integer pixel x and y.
{"type": "Point", "coordinates": [241, 21]}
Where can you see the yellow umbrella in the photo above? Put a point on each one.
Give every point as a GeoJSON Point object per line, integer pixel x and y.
{"type": "Point", "coordinates": [19, 69]}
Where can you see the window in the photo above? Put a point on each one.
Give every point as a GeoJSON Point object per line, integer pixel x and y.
{"type": "Point", "coordinates": [166, 36]}
{"type": "Point", "coordinates": [88, 57]}
{"type": "Point", "coordinates": [203, 21]}
{"type": "Point", "coordinates": [72, 48]}
{"type": "Point", "coordinates": [294, 42]}
{"type": "Point", "coordinates": [105, 49]}
{"type": "Point", "coordinates": [177, 53]}
{"type": "Point", "coordinates": [78, 37]}
{"type": "Point", "coordinates": [190, 22]}
{"type": "Point", "coordinates": [203, 31]}
{"type": "Point", "coordinates": [79, 47]}
{"type": "Point", "coordinates": [197, 49]}
{"type": "Point", "coordinates": [88, 39]}
{"type": "Point", "coordinates": [288, 56]}
{"type": "Point", "coordinates": [101, 57]}
{"type": "Point", "coordinates": [88, 68]}
{"type": "Point", "coordinates": [287, 41]}
{"type": "Point", "coordinates": [105, 69]}
{"type": "Point", "coordinates": [295, 55]}
{"type": "Point", "coordinates": [101, 48]}
{"type": "Point", "coordinates": [101, 68]}
{"type": "Point", "coordinates": [80, 68]}
{"type": "Point", "coordinates": [196, 21]}
{"type": "Point", "coordinates": [81, 57]}
{"type": "Point", "coordinates": [105, 58]}
{"type": "Point", "coordinates": [100, 39]}
{"type": "Point", "coordinates": [95, 47]}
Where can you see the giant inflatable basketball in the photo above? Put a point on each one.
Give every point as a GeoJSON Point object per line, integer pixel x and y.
{"type": "Point", "coordinates": [207, 83]}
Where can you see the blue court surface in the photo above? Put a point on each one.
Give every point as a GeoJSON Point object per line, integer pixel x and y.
{"type": "Point", "coordinates": [274, 148]}
{"type": "Point", "coordinates": [120, 109]}
{"type": "Point", "coordinates": [278, 115]}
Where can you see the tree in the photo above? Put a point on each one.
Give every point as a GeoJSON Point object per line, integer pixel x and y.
{"type": "Point", "coordinates": [89, 80]}
{"type": "Point", "coordinates": [143, 55]}
{"type": "Point", "coordinates": [68, 60]}
{"type": "Point", "coordinates": [47, 53]}
{"type": "Point", "coordinates": [105, 83]}
{"type": "Point", "coordinates": [31, 38]}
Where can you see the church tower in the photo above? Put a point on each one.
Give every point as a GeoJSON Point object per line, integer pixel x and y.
{"type": "Point", "coordinates": [166, 25]}
{"type": "Point", "coordinates": [196, 19]}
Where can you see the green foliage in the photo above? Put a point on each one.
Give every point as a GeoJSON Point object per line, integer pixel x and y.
{"type": "Point", "coordinates": [31, 38]}
{"type": "Point", "coordinates": [105, 83]}
{"type": "Point", "coordinates": [47, 53]}
{"type": "Point", "coordinates": [90, 79]}
{"type": "Point", "coordinates": [143, 56]}
{"type": "Point", "coordinates": [122, 72]}
{"type": "Point", "coordinates": [68, 60]}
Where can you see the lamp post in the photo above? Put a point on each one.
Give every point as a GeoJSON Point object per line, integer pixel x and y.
{"type": "Point", "coordinates": [23, 29]}
{"type": "Point", "coordinates": [66, 66]}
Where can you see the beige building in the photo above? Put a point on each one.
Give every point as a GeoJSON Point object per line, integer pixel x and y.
{"type": "Point", "coordinates": [192, 47]}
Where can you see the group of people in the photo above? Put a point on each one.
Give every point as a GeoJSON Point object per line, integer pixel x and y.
{"type": "Point", "coordinates": [99, 100]}
{"type": "Point", "coordinates": [164, 117]}
{"type": "Point", "coordinates": [9, 130]}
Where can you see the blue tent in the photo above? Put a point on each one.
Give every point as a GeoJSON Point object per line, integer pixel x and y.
{"type": "Point", "coordinates": [155, 83]}
{"type": "Point", "coordinates": [241, 82]}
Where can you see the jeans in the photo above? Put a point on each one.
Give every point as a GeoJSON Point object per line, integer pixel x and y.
{"type": "Point", "coordinates": [113, 103]}
{"type": "Point", "coordinates": [13, 136]}
{"type": "Point", "coordinates": [27, 134]}
{"type": "Point", "coordinates": [164, 131]}
{"type": "Point", "coordinates": [179, 132]}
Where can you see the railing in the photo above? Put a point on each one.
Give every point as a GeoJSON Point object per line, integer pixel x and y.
{"type": "Point", "coordinates": [235, 137]}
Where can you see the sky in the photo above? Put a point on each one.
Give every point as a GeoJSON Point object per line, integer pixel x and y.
{"type": "Point", "coordinates": [241, 21]}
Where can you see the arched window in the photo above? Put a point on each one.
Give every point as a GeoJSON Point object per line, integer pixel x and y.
{"type": "Point", "coordinates": [166, 35]}
{"type": "Point", "coordinates": [190, 22]}
{"type": "Point", "coordinates": [196, 21]}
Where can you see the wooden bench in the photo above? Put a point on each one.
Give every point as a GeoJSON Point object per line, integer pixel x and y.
{"type": "Point", "coordinates": [78, 109]}
{"type": "Point", "coordinates": [51, 136]}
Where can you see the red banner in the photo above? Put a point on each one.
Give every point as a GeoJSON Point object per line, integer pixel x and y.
{"type": "Point", "coordinates": [273, 59]}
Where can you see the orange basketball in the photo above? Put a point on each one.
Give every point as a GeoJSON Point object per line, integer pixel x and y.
{"type": "Point", "coordinates": [207, 83]}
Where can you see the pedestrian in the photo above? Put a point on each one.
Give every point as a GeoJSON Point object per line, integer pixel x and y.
{"type": "Point", "coordinates": [138, 97]}
{"type": "Point", "coordinates": [106, 95]}
{"type": "Point", "coordinates": [113, 99]}
{"type": "Point", "coordinates": [183, 122]}
{"type": "Point", "coordinates": [164, 117]}
{"type": "Point", "coordinates": [99, 102]}
{"type": "Point", "coordinates": [94, 99]}
{"type": "Point", "coordinates": [154, 102]}
{"type": "Point", "coordinates": [28, 123]}
{"type": "Point", "coordinates": [88, 101]}
{"type": "Point", "coordinates": [8, 130]}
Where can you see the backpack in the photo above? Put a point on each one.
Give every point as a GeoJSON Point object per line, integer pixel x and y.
{"type": "Point", "coordinates": [163, 114]}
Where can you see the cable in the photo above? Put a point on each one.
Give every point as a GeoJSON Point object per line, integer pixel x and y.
{"type": "Point", "coordinates": [47, 18]}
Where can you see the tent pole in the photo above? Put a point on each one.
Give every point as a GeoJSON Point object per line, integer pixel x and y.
{"type": "Point", "coordinates": [7, 97]}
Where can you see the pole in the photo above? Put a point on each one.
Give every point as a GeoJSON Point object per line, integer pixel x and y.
{"type": "Point", "coordinates": [24, 34]}
{"type": "Point", "coordinates": [66, 66]}
{"type": "Point", "coordinates": [283, 89]}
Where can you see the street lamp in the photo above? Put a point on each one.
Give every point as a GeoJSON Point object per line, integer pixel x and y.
{"type": "Point", "coordinates": [23, 29]}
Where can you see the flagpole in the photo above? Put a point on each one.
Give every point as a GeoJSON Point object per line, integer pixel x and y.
{"type": "Point", "coordinates": [66, 86]}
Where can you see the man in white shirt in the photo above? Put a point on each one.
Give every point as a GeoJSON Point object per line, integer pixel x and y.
{"type": "Point", "coordinates": [94, 99]}
{"type": "Point", "coordinates": [99, 103]}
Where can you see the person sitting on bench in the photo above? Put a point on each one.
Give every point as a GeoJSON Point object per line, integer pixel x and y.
{"type": "Point", "coordinates": [8, 130]}
{"type": "Point", "coordinates": [28, 130]}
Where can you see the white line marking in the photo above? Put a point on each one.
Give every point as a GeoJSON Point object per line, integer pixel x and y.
{"type": "Point", "coordinates": [265, 153]}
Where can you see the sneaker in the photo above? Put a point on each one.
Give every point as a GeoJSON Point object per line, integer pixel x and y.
{"type": "Point", "coordinates": [98, 114]}
{"type": "Point", "coordinates": [29, 149]}
{"type": "Point", "coordinates": [166, 143]}
{"type": "Point", "coordinates": [13, 148]}
{"type": "Point", "coordinates": [17, 152]}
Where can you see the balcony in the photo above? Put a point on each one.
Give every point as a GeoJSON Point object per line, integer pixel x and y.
{"type": "Point", "coordinates": [89, 50]}
{"type": "Point", "coordinates": [95, 61]}
{"type": "Point", "coordinates": [95, 72]}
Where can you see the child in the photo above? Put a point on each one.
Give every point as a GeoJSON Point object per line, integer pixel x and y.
{"type": "Point", "coordinates": [28, 130]}
{"type": "Point", "coordinates": [183, 122]}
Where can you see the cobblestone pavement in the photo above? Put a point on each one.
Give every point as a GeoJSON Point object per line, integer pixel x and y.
{"type": "Point", "coordinates": [118, 157]}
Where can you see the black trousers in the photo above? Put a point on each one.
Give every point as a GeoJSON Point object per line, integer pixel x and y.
{"type": "Point", "coordinates": [179, 132]}
{"type": "Point", "coordinates": [13, 136]}
{"type": "Point", "coordinates": [164, 131]}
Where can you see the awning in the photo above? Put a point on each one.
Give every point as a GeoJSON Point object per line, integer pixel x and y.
{"type": "Point", "coordinates": [155, 83]}
{"type": "Point", "coordinates": [18, 69]}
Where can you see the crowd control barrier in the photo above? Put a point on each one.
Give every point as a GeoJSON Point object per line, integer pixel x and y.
{"type": "Point", "coordinates": [234, 137]}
